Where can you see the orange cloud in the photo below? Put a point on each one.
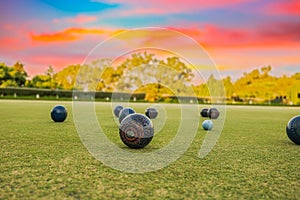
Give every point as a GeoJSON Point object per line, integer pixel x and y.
{"type": "Point", "coordinates": [231, 48]}
{"type": "Point", "coordinates": [61, 36]}
{"type": "Point", "coordinates": [70, 34]}
{"type": "Point", "coordinates": [209, 35]}
{"type": "Point", "coordinates": [84, 31]}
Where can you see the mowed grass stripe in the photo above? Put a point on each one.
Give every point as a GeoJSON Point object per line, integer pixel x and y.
{"type": "Point", "coordinates": [253, 158]}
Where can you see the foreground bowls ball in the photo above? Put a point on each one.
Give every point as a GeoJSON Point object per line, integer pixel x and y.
{"type": "Point", "coordinates": [204, 112]}
{"type": "Point", "coordinates": [124, 112]}
{"type": "Point", "coordinates": [293, 129]}
{"type": "Point", "coordinates": [117, 110]}
{"type": "Point", "coordinates": [207, 125]}
{"type": "Point", "coordinates": [136, 131]}
{"type": "Point", "coordinates": [151, 113]}
{"type": "Point", "coordinates": [59, 113]}
{"type": "Point", "coordinates": [213, 113]}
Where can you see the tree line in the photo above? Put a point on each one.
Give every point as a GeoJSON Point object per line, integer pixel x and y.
{"type": "Point", "coordinates": [143, 72]}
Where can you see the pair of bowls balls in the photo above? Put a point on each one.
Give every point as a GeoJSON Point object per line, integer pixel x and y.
{"type": "Point", "coordinates": [212, 113]}
{"type": "Point", "coordinates": [152, 113]}
{"type": "Point", "coordinates": [59, 113]}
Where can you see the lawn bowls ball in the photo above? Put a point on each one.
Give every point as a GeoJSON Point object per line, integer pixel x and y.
{"type": "Point", "coordinates": [204, 112]}
{"type": "Point", "coordinates": [117, 110]}
{"type": "Point", "coordinates": [136, 131]}
{"type": "Point", "coordinates": [213, 113]}
{"type": "Point", "coordinates": [151, 113]}
{"type": "Point", "coordinates": [293, 129]}
{"type": "Point", "coordinates": [59, 113]}
{"type": "Point", "coordinates": [207, 125]}
{"type": "Point", "coordinates": [124, 112]}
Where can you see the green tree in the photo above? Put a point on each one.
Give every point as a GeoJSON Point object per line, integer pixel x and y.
{"type": "Point", "coordinates": [256, 84]}
{"type": "Point", "coordinates": [228, 85]}
{"type": "Point", "coordinates": [4, 74]}
{"type": "Point", "coordinates": [201, 90]}
{"type": "Point", "coordinates": [143, 72]}
{"type": "Point", "coordinates": [216, 87]}
{"type": "Point", "coordinates": [46, 81]}
{"type": "Point", "coordinates": [66, 78]}
{"type": "Point", "coordinates": [90, 76]}
{"type": "Point", "coordinates": [12, 76]}
{"type": "Point", "coordinates": [19, 74]}
{"type": "Point", "coordinates": [294, 89]}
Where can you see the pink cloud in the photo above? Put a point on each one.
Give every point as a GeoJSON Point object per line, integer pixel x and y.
{"type": "Point", "coordinates": [231, 48]}
{"type": "Point", "coordinates": [212, 37]}
{"type": "Point", "coordinates": [80, 19]}
{"type": "Point", "coordinates": [135, 7]}
{"type": "Point", "coordinates": [243, 59]}
{"type": "Point", "coordinates": [10, 43]}
{"type": "Point", "coordinates": [267, 35]}
{"type": "Point", "coordinates": [13, 37]}
{"type": "Point", "coordinates": [38, 63]}
{"type": "Point", "coordinates": [291, 7]}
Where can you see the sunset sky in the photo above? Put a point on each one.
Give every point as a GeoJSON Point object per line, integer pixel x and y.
{"type": "Point", "coordinates": [239, 35]}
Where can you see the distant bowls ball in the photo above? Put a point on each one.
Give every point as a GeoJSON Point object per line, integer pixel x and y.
{"type": "Point", "coordinates": [213, 113]}
{"type": "Point", "coordinates": [293, 129]}
{"type": "Point", "coordinates": [124, 112]}
{"type": "Point", "coordinates": [117, 110]}
{"type": "Point", "coordinates": [151, 113]}
{"type": "Point", "coordinates": [207, 125]}
{"type": "Point", "coordinates": [204, 112]}
{"type": "Point", "coordinates": [59, 113]}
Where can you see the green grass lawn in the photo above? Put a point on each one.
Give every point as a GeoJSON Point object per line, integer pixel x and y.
{"type": "Point", "coordinates": [253, 158]}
